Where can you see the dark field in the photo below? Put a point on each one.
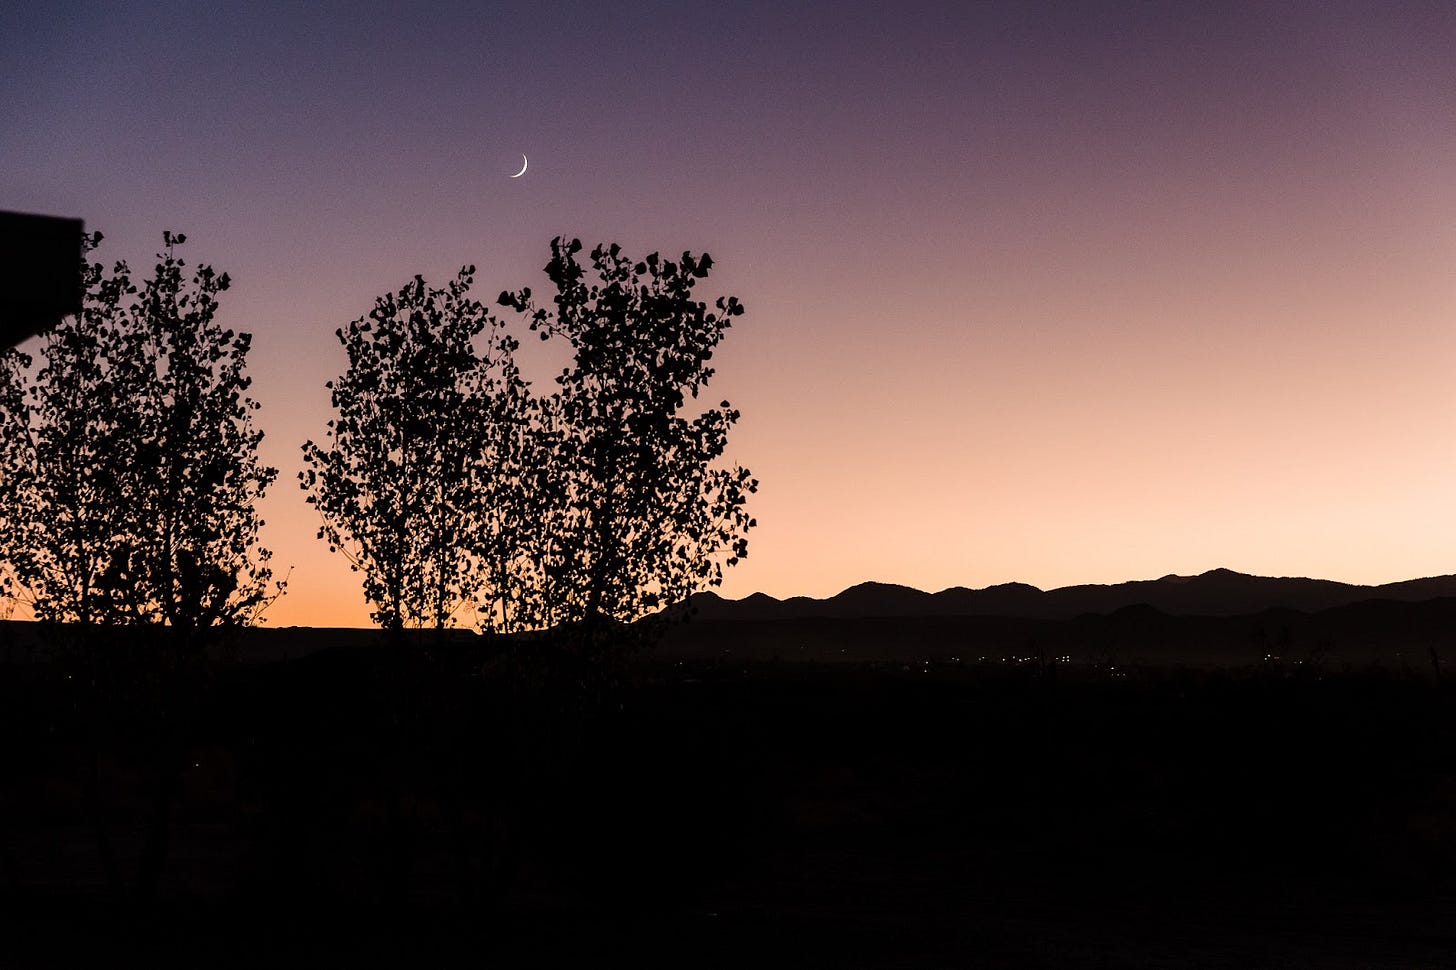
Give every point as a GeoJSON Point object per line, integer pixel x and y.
{"type": "Point", "coordinates": [345, 808]}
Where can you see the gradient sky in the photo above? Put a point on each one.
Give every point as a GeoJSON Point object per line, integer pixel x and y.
{"type": "Point", "coordinates": [1053, 293]}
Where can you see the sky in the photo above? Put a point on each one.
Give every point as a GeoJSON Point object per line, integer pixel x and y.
{"type": "Point", "coordinates": [1050, 293]}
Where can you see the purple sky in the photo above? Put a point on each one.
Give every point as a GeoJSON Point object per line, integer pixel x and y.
{"type": "Point", "coordinates": [1055, 293]}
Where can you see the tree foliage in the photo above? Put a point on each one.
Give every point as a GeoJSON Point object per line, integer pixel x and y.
{"type": "Point", "coordinates": [68, 458]}
{"type": "Point", "coordinates": [419, 453]}
{"type": "Point", "coordinates": [446, 481]}
{"type": "Point", "coordinates": [639, 511]}
{"type": "Point", "coordinates": [135, 457]}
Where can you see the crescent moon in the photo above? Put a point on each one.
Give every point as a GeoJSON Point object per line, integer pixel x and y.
{"type": "Point", "coordinates": [525, 163]}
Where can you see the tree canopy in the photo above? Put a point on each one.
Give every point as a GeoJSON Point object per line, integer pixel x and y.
{"type": "Point", "coordinates": [416, 467]}
{"type": "Point", "coordinates": [130, 460]}
{"type": "Point", "coordinates": [450, 484]}
{"type": "Point", "coordinates": [640, 512]}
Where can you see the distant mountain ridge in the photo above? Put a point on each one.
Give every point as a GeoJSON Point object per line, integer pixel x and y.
{"type": "Point", "coordinates": [1218, 592]}
{"type": "Point", "coordinates": [1217, 618]}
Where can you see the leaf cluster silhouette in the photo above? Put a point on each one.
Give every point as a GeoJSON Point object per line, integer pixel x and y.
{"type": "Point", "coordinates": [130, 461]}
{"type": "Point", "coordinates": [129, 481]}
{"type": "Point", "coordinates": [452, 485]}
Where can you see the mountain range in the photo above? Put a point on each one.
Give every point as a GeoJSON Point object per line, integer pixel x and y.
{"type": "Point", "coordinates": [1220, 617]}
{"type": "Point", "coordinates": [1218, 592]}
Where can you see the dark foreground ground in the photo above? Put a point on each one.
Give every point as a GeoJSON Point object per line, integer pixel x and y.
{"type": "Point", "coordinates": [731, 815]}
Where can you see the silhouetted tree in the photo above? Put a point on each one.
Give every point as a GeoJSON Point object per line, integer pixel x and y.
{"type": "Point", "coordinates": [136, 472]}
{"type": "Point", "coordinates": [636, 510]}
{"type": "Point", "coordinates": [447, 483]}
{"type": "Point", "coordinates": [195, 562]}
{"type": "Point", "coordinates": [416, 471]}
{"type": "Point", "coordinates": [138, 458]}
{"type": "Point", "coordinates": [418, 485]}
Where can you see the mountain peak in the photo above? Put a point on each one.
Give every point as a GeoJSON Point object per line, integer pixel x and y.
{"type": "Point", "coordinates": [875, 587]}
